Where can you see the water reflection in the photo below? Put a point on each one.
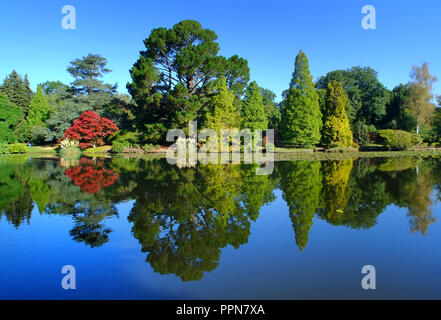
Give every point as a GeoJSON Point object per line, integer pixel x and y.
{"type": "Point", "coordinates": [183, 217]}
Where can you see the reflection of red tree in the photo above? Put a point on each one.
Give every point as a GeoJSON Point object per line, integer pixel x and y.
{"type": "Point", "coordinates": [91, 177]}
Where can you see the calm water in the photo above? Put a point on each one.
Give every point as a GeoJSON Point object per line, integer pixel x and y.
{"type": "Point", "coordinates": [137, 229]}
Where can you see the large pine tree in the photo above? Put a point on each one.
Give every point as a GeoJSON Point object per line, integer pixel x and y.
{"type": "Point", "coordinates": [336, 128]}
{"type": "Point", "coordinates": [253, 111]}
{"type": "Point", "coordinates": [301, 116]}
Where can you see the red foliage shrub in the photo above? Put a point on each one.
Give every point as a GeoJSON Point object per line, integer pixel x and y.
{"type": "Point", "coordinates": [91, 177]}
{"type": "Point", "coordinates": [90, 129]}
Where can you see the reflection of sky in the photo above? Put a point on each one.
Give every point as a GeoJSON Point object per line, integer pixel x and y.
{"type": "Point", "coordinates": [269, 266]}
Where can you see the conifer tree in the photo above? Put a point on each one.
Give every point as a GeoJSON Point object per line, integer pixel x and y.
{"type": "Point", "coordinates": [17, 90]}
{"type": "Point", "coordinates": [301, 116]}
{"type": "Point", "coordinates": [253, 114]}
{"type": "Point", "coordinates": [222, 113]}
{"type": "Point", "coordinates": [336, 128]}
{"type": "Point", "coordinates": [38, 109]}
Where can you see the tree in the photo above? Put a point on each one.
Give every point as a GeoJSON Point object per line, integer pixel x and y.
{"type": "Point", "coordinates": [367, 96]}
{"type": "Point", "coordinates": [86, 72]}
{"type": "Point", "coordinates": [173, 78]}
{"type": "Point", "coordinates": [253, 114]}
{"type": "Point", "coordinates": [222, 113]}
{"type": "Point", "coordinates": [272, 110]}
{"type": "Point", "coordinates": [38, 109]}
{"type": "Point", "coordinates": [301, 116]}
{"type": "Point", "coordinates": [91, 129]}
{"type": "Point", "coordinates": [418, 102]}
{"type": "Point", "coordinates": [336, 129]}
{"type": "Point", "coordinates": [396, 115]}
{"type": "Point", "coordinates": [10, 116]}
{"type": "Point", "coordinates": [17, 90]}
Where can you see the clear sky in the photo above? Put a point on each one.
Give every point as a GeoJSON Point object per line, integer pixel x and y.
{"type": "Point", "coordinates": [268, 34]}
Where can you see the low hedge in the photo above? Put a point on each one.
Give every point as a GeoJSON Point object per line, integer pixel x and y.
{"type": "Point", "coordinates": [18, 148]}
{"type": "Point", "coordinates": [398, 139]}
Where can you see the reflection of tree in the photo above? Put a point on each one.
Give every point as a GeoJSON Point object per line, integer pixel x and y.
{"type": "Point", "coordinates": [301, 183]}
{"type": "Point", "coordinates": [91, 176]}
{"type": "Point", "coordinates": [335, 182]}
{"type": "Point", "coordinates": [184, 217]}
{"type": "Point", "coordinates": [417, 198]}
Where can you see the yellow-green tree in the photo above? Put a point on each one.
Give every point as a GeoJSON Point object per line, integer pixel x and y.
{"type": "Point", "coordinates": [222, 112]}
{"type": "Point", "coordinates": [419, 100]}
{"type": "Point", "coordinates": [336, 128]}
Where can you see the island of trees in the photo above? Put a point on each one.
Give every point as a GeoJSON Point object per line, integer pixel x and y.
{"type": "Point", "coordinates": [180, 77]}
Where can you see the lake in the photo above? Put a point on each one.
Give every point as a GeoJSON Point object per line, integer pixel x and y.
{"type": "Point", "coordinates": [144, 229]}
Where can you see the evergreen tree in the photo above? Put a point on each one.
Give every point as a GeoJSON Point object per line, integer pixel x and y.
{"type": "Point", "coordinates": [336, 129]}
{"type": "Point", "coordinates": [17, 90]}
{"type": "Point", "coordinates": [301, 116]}
{"type": "Point", "coordinates": [253, 112]}
{"type": "Point", "coordinates": [10, 116]}
{"type": "Point", "coordinates": [222, 113]}
{"type": "Point", "coordinates": [38, 109]}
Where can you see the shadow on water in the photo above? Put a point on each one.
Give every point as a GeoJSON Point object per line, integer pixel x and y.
{"type": "Point", "coordinates": [183, 217]}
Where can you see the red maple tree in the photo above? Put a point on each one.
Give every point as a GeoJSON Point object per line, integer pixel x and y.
{"type": "Point", "coordinates": [90, 129]}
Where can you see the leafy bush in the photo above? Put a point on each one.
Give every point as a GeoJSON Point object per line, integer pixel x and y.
{"type": "Point", "coordinates": [118, 147]}
{"type": "Point", "coordinates": [149, 147]}
{"type": "Point", "coordinates": [4, 148]}
{"type": "Point", "coordinates": [18, 148]}
{"type": "Point", "coordinates": [398, 139]}
{"type": "Point", "coordinates": [126, 138]}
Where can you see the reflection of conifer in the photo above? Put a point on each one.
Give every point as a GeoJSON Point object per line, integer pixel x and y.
{"type": "Point", "coordinates": [301, 185]}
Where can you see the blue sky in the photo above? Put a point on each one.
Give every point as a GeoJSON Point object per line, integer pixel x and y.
{"type": "Point", "coordinates": [268, 34]}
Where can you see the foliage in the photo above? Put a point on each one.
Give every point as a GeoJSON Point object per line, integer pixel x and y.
{"type": "Point", "coordinates": [4, 148]}
{"type": "Point", "coordinates": [397, 139]}
{"type": "Point", "coordinates": [91, 129]}
{"type": "Point", "coordinates": [172, 79]}
{"type": "Point", "coordinates": [222, 113]}
{"type": "Point", "coordinates": [418, 102]}
{"type": "Point", "coordinates": [271, 108]}
{"type": "Point", "coordinates": [86, 72]}
{"type": "Point", "coordinates": [10, 116]}
{"type": "Point", "coordinates": [367, 96]}
{"type": "Point", "coordinates": [38, 109]}
{"type": "Point", "coordinates": [17, 90]}
{"type": "Point", "coordinates": [18, 148]}
{"type": "Point", "coordinates": [301, 119]}
{"type": "Point", "coordinates": [336, 129]}
{"type": "Point", "coordinates": [253, 115]}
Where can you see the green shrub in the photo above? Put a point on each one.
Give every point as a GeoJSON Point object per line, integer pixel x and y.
{"type": "Point", "coordinates": [118, 147]}
{"type": "Point", "coordinates": [4, 148]}
{"type": "Point", "coordinates": [18, 148]}
{"type": "Point", "coordinates": [126, 138]}
{"type": "Point", "coordinates": [397, 139]}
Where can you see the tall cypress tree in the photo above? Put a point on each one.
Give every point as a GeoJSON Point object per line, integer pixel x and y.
{"type": "Point", "coordinates": [336, 128]}
{"type": "Point", "coordinates": [253, 111]}
{"type": "Point", "coordinates": [38, 109]}
{"type": "Point", "coordinates": [301, 116]}
{"type": "Point", "coordinates": [222, 113]}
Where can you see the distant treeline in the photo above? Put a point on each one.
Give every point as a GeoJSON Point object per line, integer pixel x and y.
{"type": "Point", "coordinates": [180, 77]}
